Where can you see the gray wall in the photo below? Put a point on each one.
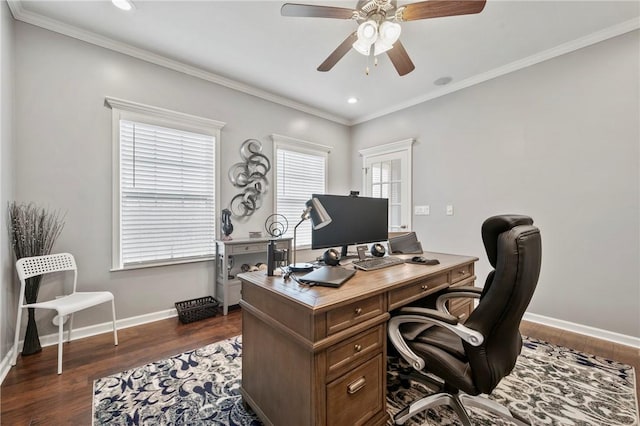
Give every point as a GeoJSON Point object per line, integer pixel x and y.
{"type": "Point", "coordinates": [8, 292]}
{"type": "Point", "coordinates": [63, 146]}
{"type": "Point", "coordinates": [558, 141]}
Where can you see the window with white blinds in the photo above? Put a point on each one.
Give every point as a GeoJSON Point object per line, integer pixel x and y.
{"type": "Point", "coordinates": [299, 174]}
{"type": "Point", "coordinates": [166, 192]}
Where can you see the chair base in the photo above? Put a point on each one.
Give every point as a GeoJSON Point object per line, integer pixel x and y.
{"type": "Point", "coordinates": [458, 402]}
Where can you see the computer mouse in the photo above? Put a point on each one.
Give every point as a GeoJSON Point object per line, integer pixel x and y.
{"type": "Point", "coordinates": [423, 260]}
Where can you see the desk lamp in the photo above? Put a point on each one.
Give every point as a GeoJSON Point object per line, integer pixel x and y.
{"type": "Point", "coordinates": [319, 219]}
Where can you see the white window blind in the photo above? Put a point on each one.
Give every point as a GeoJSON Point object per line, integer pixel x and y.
{"type": "Point", "coordinates": [167, 193]}
{"type": "Point", "coordinates": [299, 175]}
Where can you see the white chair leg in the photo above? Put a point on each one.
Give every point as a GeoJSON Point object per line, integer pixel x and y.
{"type": "Point", "coordinates": [14, 357]}
{"type": "Point", "coordinates": [115, 330]}
{"type": "Point", "coordinates": [70, 327]}
{"type": "Point", "coordinates": [60, 337]}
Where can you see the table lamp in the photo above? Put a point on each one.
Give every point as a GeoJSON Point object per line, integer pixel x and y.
{"type": "Point", "coordinates": [319, 218]}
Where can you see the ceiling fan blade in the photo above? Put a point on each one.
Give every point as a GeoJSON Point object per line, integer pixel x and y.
{"type": "Point", "coordinates": [400, 59]}
{"type": "Point", "coordinates": [337, 54]}
{"type": "Point", "coordinates": [310, 11]}
{"type": "Point", "coordinates": [440, 8]}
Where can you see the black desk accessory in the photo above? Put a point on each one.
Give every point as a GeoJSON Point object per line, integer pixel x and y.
{"type": "Point", "coordinates": [420, 260]}
{"type": "Point", "coordinates": [328, 276]}
{"type": "Point", "coordinates": [275, 257]}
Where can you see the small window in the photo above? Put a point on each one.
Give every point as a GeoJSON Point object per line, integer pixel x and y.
{"type": "Point", "coordinates": [300, 171]}
{"type": "Point", "coordinates": [164, 186]}
{"type": "Point", "coordinates": [387, 174]}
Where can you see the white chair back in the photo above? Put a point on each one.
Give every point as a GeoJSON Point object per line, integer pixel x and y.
{"type": "Point", "coordinates": [32, 266]}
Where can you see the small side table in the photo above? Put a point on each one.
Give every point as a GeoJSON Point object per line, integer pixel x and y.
{"type": "Point", "coordinates": [230, 255]}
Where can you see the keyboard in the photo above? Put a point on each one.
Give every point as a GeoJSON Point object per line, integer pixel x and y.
{"type": "Point", "coordinates": [377, 263]}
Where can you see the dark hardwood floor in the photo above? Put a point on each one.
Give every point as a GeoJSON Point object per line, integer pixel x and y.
{"type": "Point", "coordinates": [33, 394]}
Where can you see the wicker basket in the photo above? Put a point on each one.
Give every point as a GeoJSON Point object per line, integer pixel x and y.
{"type": "Point", "coordinates": [196, 309]}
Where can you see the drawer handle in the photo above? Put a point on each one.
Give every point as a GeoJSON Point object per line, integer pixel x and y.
{"type": "Point", "coordinates": [357, 347]}
{"type": "Point", "coordinates": [356, 385]}
{"type": "Point", "coordinates": [424, 287]}
{"type": "Point", "coordinates": [358, 311]}
{"type": "Point", "coordinates": [462, 272]}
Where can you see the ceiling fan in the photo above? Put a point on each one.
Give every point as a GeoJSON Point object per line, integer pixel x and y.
{"type": "Point", "coordinates": [379, 29]}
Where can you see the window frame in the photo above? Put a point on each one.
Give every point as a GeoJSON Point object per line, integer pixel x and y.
{"type": "Point", "coordinates": [304, 147]}
{"type": "Point", "coordinates": [137, 112]}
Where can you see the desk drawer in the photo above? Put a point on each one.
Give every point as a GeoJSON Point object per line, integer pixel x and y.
{"type": "Point", "coordinates": [247, 248]}
{"type": "Point", "coordinates": [461, 308]}
{"type": "Point", "coordinates": [404, 295]}
{"type": "Point", "coordinates": [357, 396]}
{"type": "Point", "coordinates": [461, 273]}
{"type": "Point", "coordinates": [353, 313]}
{"type": "Point", "coordinates": [343, 355]}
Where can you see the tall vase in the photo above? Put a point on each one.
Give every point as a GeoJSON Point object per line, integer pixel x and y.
{"type": "Point", "coordinates": [31, 338]}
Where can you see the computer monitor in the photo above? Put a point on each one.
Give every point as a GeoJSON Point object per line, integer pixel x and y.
{"type": "Point", "coordinates": [355, 220]}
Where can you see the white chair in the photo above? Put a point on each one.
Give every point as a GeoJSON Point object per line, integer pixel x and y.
{"type": "Point", "coordinates": [65, 305]}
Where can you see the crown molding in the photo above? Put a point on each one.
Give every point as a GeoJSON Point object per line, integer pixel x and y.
{"type": "Point", "coordinates": [20, 14]}
{"type": "Point", "coordinates": [554, 52]}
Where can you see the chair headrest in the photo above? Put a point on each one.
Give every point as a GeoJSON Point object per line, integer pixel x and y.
{"type": "Point", "coordinates": [496, 225]}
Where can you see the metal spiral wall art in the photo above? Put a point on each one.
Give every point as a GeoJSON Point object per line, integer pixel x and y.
{"type": "Point", "coordinates": [251, 176]}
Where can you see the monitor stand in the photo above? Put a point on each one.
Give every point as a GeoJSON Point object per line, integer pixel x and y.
{"type": "Point", "coordinates": [344, 254]}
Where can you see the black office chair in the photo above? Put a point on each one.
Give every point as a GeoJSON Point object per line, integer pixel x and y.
{"type": "Point", "coordinates": [471, 359]}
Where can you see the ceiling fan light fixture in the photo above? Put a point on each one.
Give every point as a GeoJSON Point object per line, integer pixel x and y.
{"type": "Point", "coordinates": [380, 47]}
{"type": "Point", "coordinates": [389, 32]}
{"type": "Point", "coordinates": [367, 35]}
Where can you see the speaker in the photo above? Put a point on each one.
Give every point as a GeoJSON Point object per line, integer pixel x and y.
{"type": "Point", "coordinates": [377, 250]}
{"type": "Point", "coordinates": [331, 257]}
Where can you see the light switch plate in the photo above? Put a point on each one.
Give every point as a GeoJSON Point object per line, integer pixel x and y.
{"type": "Point", "coordinates": [421, 210]}
{"type": "Point", "coordinates": [449, 209]}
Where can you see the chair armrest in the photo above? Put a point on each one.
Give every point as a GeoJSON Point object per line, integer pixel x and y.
{"type": "Point", "coordinates": [465, 289]}
{"type": "Point", "coordinates": [431, 313]}
{"type": "Point", "coordinates": [427, 316]}
{"type": "Point", "coordinates": [456, 293]}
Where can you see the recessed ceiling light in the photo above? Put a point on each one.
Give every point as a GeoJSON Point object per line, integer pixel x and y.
{"type": "Point", "coordinates": [122, 4]}
{"type": "Point", "coordinates": [443, 81]}
{"type": "Point", "coordinates": [352, 100]}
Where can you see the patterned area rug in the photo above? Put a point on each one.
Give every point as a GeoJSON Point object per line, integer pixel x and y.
{"type": "Point", "coordinates": [550, 385]}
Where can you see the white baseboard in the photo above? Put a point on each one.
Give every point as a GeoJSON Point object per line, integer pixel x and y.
{"type": "Point", "coordinates": [92, 330]}
{"type": "Point", "coordinates": [5, 365]}
{"type": "Point", "coordinates": [586, 330]}
{"type": "Point", "coordinates": [106, 327]}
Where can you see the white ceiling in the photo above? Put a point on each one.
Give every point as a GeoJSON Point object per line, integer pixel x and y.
{"type": "Point", "coordinates": [249, 46]}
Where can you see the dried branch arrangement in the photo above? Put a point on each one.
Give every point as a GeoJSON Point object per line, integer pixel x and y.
{"type": "Point", "coordinates": [33, 230]}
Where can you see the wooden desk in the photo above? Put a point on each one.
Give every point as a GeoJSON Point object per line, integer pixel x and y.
{"type": "Point", "coordinates": [317, 355]}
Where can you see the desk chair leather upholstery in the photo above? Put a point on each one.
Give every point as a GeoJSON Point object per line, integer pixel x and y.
{"type": "Point", "coordinates": [474, 357]}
